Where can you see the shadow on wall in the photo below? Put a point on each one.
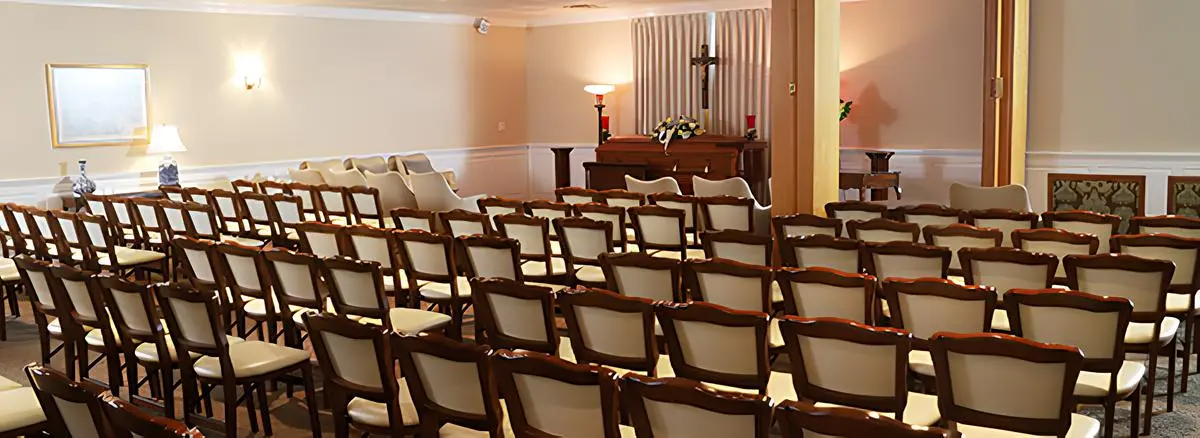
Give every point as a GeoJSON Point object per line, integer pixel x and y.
{"type": "Point", "coordinates": [869, 114]}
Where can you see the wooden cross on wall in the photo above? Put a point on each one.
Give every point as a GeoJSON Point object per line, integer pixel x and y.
{"type": "Point", "coordinates": [704, 61]}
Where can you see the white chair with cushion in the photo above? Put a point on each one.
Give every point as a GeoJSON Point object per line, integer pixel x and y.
{"type": "Point", "coordinates": [670, 407]}
{"type": "Point", "coordinates": [840, 363]}
{"type": "Point", "coordinates": [738, 188]}
{"type": "Point", "coordinates": [367, 164]}
{"type": "Point", "coordinates": [616, 331]}
{"type": "Point", "coordinates": [1094, 324]}
{"type": "Point", "coordinates": [995, 385]}
{"type": "Point", "coordinates": [1007, 269]}
{"type": "Point", "coordinates": [665, 184]}
{"type": "Point", "coordinates": [1009, 197]}
{"type": "Point", "coordinates": [928, 306]}
{"type": "Point", "coordinates": [345, 178]}
{"type": "Point", "coordinates": [419, 163]}
{"type": "Point", "coordinates": [306, 176]}
{"type": "Point", "coordinates": [394, 191]}
{"type": "Point", "coordinates": [433, 193]}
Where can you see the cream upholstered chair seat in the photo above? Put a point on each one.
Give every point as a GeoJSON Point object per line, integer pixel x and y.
{"type": "Point", "coordinates": [6, 384]}
{"type": "Point", "coordinates": [386, 223]}
{"type": "Point", "coordinates": [411, 321]}
{"type": "Point", "coordinates": [8, 270]}
{"type": "Point", "coordinates": [441, 291]}
{"type": "Point", "coordinates": [19, 408]}
{"type": "Point", "coordinates": [774, 336]}
{"type": "Point", "coordinates": [1176, 303]}
{"type": "Point", "coordinates": [590, 274]}
{"type": "Point", "coordinates": [258, 307]}
{"type": "Point", "coordinates": [1093, 384]}
{"type": "Point", "coordinates": [1142, 332]}
{"type": "Point", "coordinates": [451, 430]}
{"type": "Point", "coordinates": [252, 358]}
{"type": "Point", "coordinates": [54, 327]}
{"type": "Point", "coordinates": [779, 387]}
{"type": "Point", "coordinates": [1081, 427]}
{"type": "Point", "coordinates": [662, 368]}
{"type": "Point", "coordinates": [537, 268]}
{"type": "Point", "coordinates": [920, 362]}
{"type": "Point", "coordinates": [692, 253]}
{"type": "Point", "coordinates": [920, 410]}
{"type": "Point", "coordinates": [240, 241]}
{"type": "Point", "coordinates": [148, 352]}
{"type": "Point", "coordinates": [363, 411]}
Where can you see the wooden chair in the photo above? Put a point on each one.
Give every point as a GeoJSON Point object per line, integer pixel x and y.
{"type": "Point", "coordinates": [257, 209]}
{"type": "Point", "coordinates": [310, 200]}
{"type": "Point", "coordinates": [296, 281]}
{"type": "Point", "coordinates": [71, 408]}
{"type": "Point", "coordinates": [1028, 386]}
{"type": "Point", "coordinates": [194, 320]}
{"type": "Point", "coordinates": [1007, 269]}
{"type": "Point", "coordinates": [231, 214]}
{"type": "Point", "coordinates": [321, 239]}
{"type": "Point", "coordinates": [442, 376]}
{"type": "Point", "coordinates": [1181, 226]}
{"type": "Point", "coordinates": [691, 212]}
{"type": "Point", "coordinates": [803, 224]}
{"type": "Point", "coordinates": [575, 195]}
{"type": "Point", "coordinates": [365, 393]}
{"type": "Point", "coordinates": [728, 213]}
{"type": "Point", "coordinates": [824, 251]}
{"type": "Point", "coordinates": [242, 271]}
{"type": "Point", "coordinates": [176, 194]}
{"type": "Point", "coordinates": [925, 307]}
{"type": "Point", "coordinates": [906, 260]}
{"type": "Point", "coordinates": [736, 286]}
{"type": "Point", "coordinates": [548, 396]}
{"type": "Point", "coordinates": [366, 207]}
{"type": "Point", "coordinates": [1061, 243]}
{"type": "Point", "coordinates": [1103, 226]}
{"type": "Point", "coordinates": [621, 198]}
{"type": "Point", "coordinates": [465, 223]}
{"type": "Point", "coordinates": [824, 292]}
{"type": "Point", "coordinates": [198, 269]}
{"type": "Point", "coordinates": [357, 291]}
{"type": "Point", "coordinates": [243, 186]}
{"type": "Point", "coordinates": [855, 211]}
{"type": "Point", "coordinates": [614, 330]}
{"type": "Point", "coordinates": [47, 315]}
{"type": "Point", "coordinates": [798, 418]}
{"type": "Point", "coordinates": [844, 363]}
{"type": "Point", "coordinates": [495, 206]}
{"type": "Point", "coordinates": [334, 204]}
{"type": "Point", "coordinates": [286, 212]}
{"type": "Point", "coordinates": [147, 229]}
{"type": "Point", "coordinates": [741, 246]}
{"type": "Point", "coordinates": [1094, 324]}
{"type": "Point", "coordinates": [198, 195]}
{"type": "Point", "coordinates": [883, 231]}
{"type": "Point", "coordinates": [547, 209]}
{"type": "Point", "coordinates": [539, 261]}
{"type": "Point", "coordinates": [614, 216]}
{"type": "Point", "coordinates": [273, 187]}
{"type": "Point", "coordinates": [925, 215]}
{"type": "Point", "coordinates": [958, 236]}
{"type": "Point", "coordinates": [89, 325]}
{"type": "Point", "coordinates": [363, 242]}
{"type": "Point", "coordinates": [430, 262]}
{"type": "Point", "coordinates": [517, 317]}
{"type": "Point", "coordinates": [659, 232]}
{"type": "Point", "coordinates": [583, 241]}
{"type": "Point", "coordinates": [412, 219]}
{"type": "Point", "coordinates": [643, 276]}
{"type": "Point", "coordinates": [1006, 221]}
{"type": "Point", "coordinates": [18, 230]}
{"type": "Point", "coordinates": [128, 421]}
{"type": "Point", "coordinates": [102, 250]}
{"type": "Point", "coordinates": [686, 408]}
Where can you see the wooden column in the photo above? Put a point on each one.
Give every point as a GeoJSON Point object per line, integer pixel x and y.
{"type": "Point", "coordinates": [1006, 106]}
{"type": "Point", "coordinates": [562, 166]}
{"type": "Point", "coordinates": [804, 97]}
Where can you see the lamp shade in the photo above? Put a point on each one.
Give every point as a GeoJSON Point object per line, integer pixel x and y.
{"type": "Point", "coordinates": [164, 139]}
{"type": "Point", "coordinates": [599, 90]}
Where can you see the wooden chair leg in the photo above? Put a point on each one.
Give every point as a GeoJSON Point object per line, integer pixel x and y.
{"type": "Point", "coordinates": [230, 410]}
{"type": "Point", "coordinates": [1110, 408]}
{"type": "Point", "coordinates": [1171, 374]}
{"type": "Point", "coordinates": [265, 407]}
{"type": "Point", "coordinates": [1189, 320]}
{"type": "Point", "coordinates": [1150, 380]}
{"type": "Point", "coordinates": [310, 399]}
{"type": "Point", "coordinates": [114, 372]}
{"type": "Point", "coordinates": [1133, 409]}
{"type": "Point", "coordinates": [251, 410]}
{"type": "Point", "coordinates": [168, 391]}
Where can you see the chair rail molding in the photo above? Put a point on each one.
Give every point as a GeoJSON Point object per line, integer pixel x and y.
{"type": "Point", "coordinates": [1155, 166]}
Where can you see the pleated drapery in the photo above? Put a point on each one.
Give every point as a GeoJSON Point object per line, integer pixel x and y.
{"type": "Point", "coordinates": [743, 49]}
{"type": "Point", "coordinates": [665, 82]}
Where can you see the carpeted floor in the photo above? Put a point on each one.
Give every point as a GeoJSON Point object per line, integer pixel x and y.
{"type": "Point", "coordinates": [290, 416]}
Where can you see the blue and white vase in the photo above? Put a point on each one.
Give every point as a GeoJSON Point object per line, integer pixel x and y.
{"type": "Point", "coordinates": [83, 185]}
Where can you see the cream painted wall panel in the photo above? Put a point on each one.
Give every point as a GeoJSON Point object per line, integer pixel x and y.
{"type": "Point", "coordinates": [1113, 75]}
{"type": "Point", "coordinates": [330, 87]}
{"type": "Point", "coordinates": [561, 60]}
{"type": "Point", "coordinates": [913, 69]}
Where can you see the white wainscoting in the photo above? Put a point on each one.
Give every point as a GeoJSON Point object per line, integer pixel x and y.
{"type": "Point", "coordinates": [1155, 166]}
{"type": "Point", "coordinates": [925, 174]}
{"type": "Point", "coordinates": [541, 167]}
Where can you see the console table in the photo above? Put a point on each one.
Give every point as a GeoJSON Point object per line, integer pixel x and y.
{"type": "Point", "coordinates": [877, 180]}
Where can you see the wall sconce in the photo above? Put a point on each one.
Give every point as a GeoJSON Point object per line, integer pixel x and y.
{"type": "Point", "coordinates": [250, 70]}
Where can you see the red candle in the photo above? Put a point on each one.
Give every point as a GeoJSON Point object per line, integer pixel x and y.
{"type": "Point", "coordinates": [750, 119]}
{"type": "Point", "coordinates": [604, 122]}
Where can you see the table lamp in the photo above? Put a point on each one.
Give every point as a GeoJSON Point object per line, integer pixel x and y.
{"type": "Point", "coordinates": [164, 139]}
{"type": "Point", "coordinates": [599, 90]}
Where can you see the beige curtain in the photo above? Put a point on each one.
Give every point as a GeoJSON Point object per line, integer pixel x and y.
{"type": "Point", "coordinates": [665, 83]}
{"type": "Point", "coordinates": [743, 49]}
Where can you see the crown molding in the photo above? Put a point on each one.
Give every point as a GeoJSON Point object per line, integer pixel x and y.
{"type": "Point", "coordinates": [622, 14]}
{"type": "Point", "coordinates": [220, 7]}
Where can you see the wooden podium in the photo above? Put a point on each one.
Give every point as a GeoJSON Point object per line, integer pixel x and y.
{"type": "Point", "coordinates": [707, 156]}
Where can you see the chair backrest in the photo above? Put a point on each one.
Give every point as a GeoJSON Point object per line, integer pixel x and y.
{"type": "Point", "coordinates": [272, 187]}
{"type": "Point", "coordinates": [365, 204]}
{"type": "Point", "coordinates": [1006, 221]}
{"type": "Point", "coordinates": [883, 230]}
{"type": "Point", "coordinates": [394, 190]}
{"type": "Point", "coordinates": [906, 260]}
{"type": "Point", "coordinates": [514, 315]}
{"type": "Point", "coordinates": [855, 211]}
{"type": "Point", "coordinates": [35, 275]}
{"type": "Point", "coordinates": [665, 184]}
{"type": "Point", "coordinates": [1008, 268]}
{"type": "Point", "coordinates": [78, 292]}
{"type": "Point", "coordinates": [583, 240]}
{"type": "Point", "coordinates": [927, 214]}
{"type": "Point", "coordinates": [132, 311]}
{"type": "Point", "coordinates": [621, 198]}
{"type": "Point", "coordinates": [1009, 197]}
{"type": "Point", "coordinates": [295, 279]}
{"type": "Point", "coordinates": [730, 284]}
{"type": "Point", "coordinates": [643, 276]}
{"type": "Point", "coordinates": [194, 321]}
{"type": "Point", "coordinates": [175, 193]}
{"type": "Point", "coordinates": [442, 375]}
{"type": "Point", "coordinates": [532, 232]}
{"type": "Point", "coordinates": [197, 262]}
{"type": "Point", "coordinates": [145, 217]}
{"type": "Point", "coordinates": [96, 241]}
{"type": "Point", "coordinates": [357, 360]}
{"type": "Point", "coordinates": [547, 209]}
{"type": "Point", "coordinates": [465, 223]}
{"type": "Point", "coordinates": [1005, 382]}
{"type": "Point", "coordinates": [1145, 282]}
{"type": "Point", "coordinates": [356, 288]}
{"type": "Point", "coordinates": [413, 219]}
{"type": "Point", "coordinates": [1181, 226]}
{"type": "Point", "coordinates": [243, 272]}
{"type": "Point", "coordinates": [827, 293]}
{"type": "Point", "coordinates": [428, 257]}
{"type": "Point", "coordinates": [492, 256]}
{"type": "Point", "coordinates": [130, 421]}
{"type": "Point", "coordinates": [308, 198]}
{"type": "Point", "coordinates": [305, 176]}
{"type": "Point", "coordinates": [1094, 324]}
{"type": "Point", "coordinates": [362, 242]}
{"type": "Point", "coordinates": [365, 164]}
{"type": "Point", "coordinates": [575, 195]}
{"type": "Point", "coordinates": [322, 240]}
{"type": "Point", "coordinates": [1183, 251]}
{"type": "Point", "coordinates": [614, 216]}
{"type": "Point", "coordinates": [201, 221]}
{"type": "Point", "coordinates": [230, 212]}
{"type": "Point", "coordinates": [286, 212]}
{"type": "Point", "coordinates": [711, 343]}
{"type": "Point", "coordinates": [495, 206]}
{"type": "Point", "coordinates": [689, 204]}
{"type": "Point", "coordinates": [335, 203]}
{"type": "Point", "coordinates": [198, 195]}
{"type": "Point", "coordinates": [417, 163]}
{"type": "Point", "coordinates": [433, 192]}
{"type": "Point", "coordinates": [1061, 243]}
{"type": "Point", "coordinates": [742, 246]}
{"type": "Point", "coordinates": [344, 178]}
{"type": "Point", "coordinates": [958, 236]}
{"type": "Point", "coordinates": [735, 186]}
{"type": "Point", "coordinates": [72, 409]}
{"type": "Point", "coordinates": [548, 396]}
{"type": "Point", "coordinates": [819, 250]}
{"type": "Point", "coordinates": [610, 329]}
{"type": "Point", "coordinates": [1103, 226]}
{"type": "Point", "coordinates": [804, 224]}
{"type": "Point", "coordinates": [174, 219]}
{"type": "Point", "coordinates": [728, 213]}
{"type": "Point", "coordinates": [847, 363]}
{"type": "Point", "coordinates": [685, 408]}
{"type": "Point", "coordinates": [238, 185]}
{"type": "Point", "coordinates": [927, 306]}
{"type": "Point", "coordinates": [804, 419]}
{"type": "Point", "coordinates": [658, 227]}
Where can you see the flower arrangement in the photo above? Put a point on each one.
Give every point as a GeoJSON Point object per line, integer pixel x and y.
{"type": "Point", "coordinates": [847, 105]}
{"type": "Point", "coordinates": [682, 127]}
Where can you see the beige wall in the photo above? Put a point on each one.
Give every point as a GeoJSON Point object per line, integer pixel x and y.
{"type": "Point", "coordinates": [561, 60]}
{"type": "Point", "coordinates": [330, 87]}
{"type": "Point", "coordinates": [1114, 76]}
{"type": "Point", "coordinates": [914, 70]}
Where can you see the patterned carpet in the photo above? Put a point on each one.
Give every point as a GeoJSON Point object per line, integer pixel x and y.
{"type": "Point", "coordinates": [290, 417]}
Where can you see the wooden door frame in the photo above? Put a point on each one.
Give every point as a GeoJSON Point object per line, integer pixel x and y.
{"type": "Point", "coordinates": [1005, 88]}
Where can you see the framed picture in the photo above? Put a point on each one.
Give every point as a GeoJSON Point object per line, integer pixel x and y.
{"type": "Point", "coordinates": [98, 104]}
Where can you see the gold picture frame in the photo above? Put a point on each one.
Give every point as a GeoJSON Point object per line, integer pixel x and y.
{"type": "Point", "coordinates": [98, 104]}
